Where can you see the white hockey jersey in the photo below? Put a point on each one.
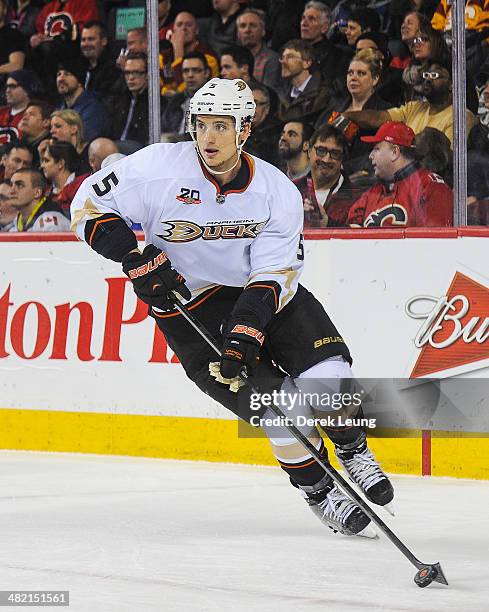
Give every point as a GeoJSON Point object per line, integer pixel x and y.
{"type": "Point", "coordinates": [212, 238]}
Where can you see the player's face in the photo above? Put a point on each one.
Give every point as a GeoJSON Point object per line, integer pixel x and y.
{"type": "Point", "coordinates": [359, 80]}
{"type": "Point", "coordinates": [382, 157]}
{"type": "Point", "coordinates": [326, 157]}
{"type": "Point", "coordinates": [312, 27]}
{"type": "Point", "coordinates": [291, 143]}
{"type": "Point", "coordinates": [352, 32]}
{"type": "Point", "coordinates": [216, 139]}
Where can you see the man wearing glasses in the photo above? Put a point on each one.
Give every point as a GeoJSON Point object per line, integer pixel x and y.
{"type": "Point", "coordinates": [17, 93]}
{"type": "Point", "coordinates": [326, 192]}
{"type": "Point", "coordinates": [195, 73]}
{"type": "Point", "coordinates": [130, 109]}
{"type": "Point", "coordinates": [302, 96]}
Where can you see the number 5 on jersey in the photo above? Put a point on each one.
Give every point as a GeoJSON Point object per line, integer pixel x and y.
{"type": "Point", "coordinates": [106, 182]}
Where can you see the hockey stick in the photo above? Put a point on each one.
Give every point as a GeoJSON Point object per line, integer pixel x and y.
{"type": "Point", "coordinates": [427, 572]}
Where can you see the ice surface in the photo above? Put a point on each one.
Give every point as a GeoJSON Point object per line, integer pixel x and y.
{"type": "Point", "coordinates": [141, 535]}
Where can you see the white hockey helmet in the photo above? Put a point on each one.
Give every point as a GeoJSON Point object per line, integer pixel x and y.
{"type": "Point", "coordinates": [230, 97]}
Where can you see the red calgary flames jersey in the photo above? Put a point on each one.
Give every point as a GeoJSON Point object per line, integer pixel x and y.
{"type": "Point", "coordinates": [416, 198]}
{"type": "Point", "coordinates": [60, 16]}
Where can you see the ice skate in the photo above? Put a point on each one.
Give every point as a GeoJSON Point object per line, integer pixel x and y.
{"type": "Point", "coordinates": [364, 471]}
{"type": "Point", "coordinates": [339, 512]}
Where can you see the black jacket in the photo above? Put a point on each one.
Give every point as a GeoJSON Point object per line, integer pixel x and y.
{"type": "Point", "coordinates": [331, 62]}
{"type": "Point", "coordinates": [307, 106]}
{"type": "Point", "coordinates": [103, 76]}
{"type": "Point", "coordinates": [139, 126]}
{"type": "Point", "coordinates": [263, 141]}
{"type": "Point", "coordinates": [172, 118]}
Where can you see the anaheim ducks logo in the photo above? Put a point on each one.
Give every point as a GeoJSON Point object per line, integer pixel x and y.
{"type": "Point", "coordinates": [240, 85]}
{"type": "Point", "coordinates": [394, 214]}
{"type": "Point", "coordinates": [58, 23]}
{"type": "Point", "coordinates": [186, 231]}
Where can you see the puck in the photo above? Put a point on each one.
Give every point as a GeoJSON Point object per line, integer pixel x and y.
{"type": "Point", "coordinates": [425, 576]}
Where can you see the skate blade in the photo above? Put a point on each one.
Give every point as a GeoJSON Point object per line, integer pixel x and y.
{"type": "Point", "coordinates": [368, 532]}
{"type": "Point", "coordinates": [390, 508]}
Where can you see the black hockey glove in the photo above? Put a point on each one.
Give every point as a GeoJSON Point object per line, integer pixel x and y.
{"type": "Point", "coordinates": [153, 277]}
{"type": "Point", "coordinates": [241, 348]}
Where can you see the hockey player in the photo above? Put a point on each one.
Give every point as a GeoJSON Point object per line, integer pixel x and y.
{"type": "Point", "coordinates": [223, 230]}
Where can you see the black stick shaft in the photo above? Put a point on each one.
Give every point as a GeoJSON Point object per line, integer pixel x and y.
{"type": "Point", "coordinates": [299, 436]}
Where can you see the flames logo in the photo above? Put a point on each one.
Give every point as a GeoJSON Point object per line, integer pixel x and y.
{"type": "Point", "coordinates": [58, 23]}
{"type": "Point", "coordinates": [391, 215]}
{"type": "Point", "coordinates": [187, 231]}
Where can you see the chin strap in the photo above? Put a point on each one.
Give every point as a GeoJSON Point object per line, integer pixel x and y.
{"type": "Point", "coordinates": [239, 150]}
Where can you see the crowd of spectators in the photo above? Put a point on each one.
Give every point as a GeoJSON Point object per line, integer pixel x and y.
{"type": "Point", "coordinates": [354, 100]}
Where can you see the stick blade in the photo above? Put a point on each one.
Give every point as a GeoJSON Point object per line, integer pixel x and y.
{"type": "Point", "coordinates": [440, 576]}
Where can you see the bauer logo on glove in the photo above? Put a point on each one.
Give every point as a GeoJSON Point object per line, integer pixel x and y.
{"type": "Point", "coordinates": [249, 331]}
{"type": "Point", "coordinates": [149, 267]}
{"type": "Point", "coordinates": [241, 349]}
{"type": "Point", "coordinates": [153, 277]}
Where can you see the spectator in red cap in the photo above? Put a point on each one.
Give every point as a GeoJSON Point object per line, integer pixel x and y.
{"type": "Point", "coordinates": [406, 194]}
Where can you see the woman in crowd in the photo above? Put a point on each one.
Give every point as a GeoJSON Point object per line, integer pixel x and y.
{"type": "Point", "coordinates": [67, 126]}
{"type": "Point", "coordinates": [390, 84]}
{"type": "Point", "coordinates": [427, 47]}
{"type": "Point", "coordinates": [362, 78]}
{"type": "Point", "coordinates": [59, 164]}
